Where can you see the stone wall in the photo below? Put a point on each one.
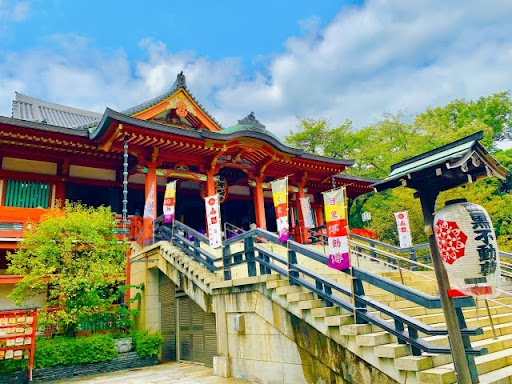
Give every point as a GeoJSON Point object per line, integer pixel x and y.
{"type": "Point", "coordinates": [262, 342]}
{"type": "Point", "coordinates": [49, 374]}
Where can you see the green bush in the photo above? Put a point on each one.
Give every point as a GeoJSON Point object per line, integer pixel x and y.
{"type": "Point", "coordinates": [11, 365]}
{"type": "Point", "coordinates": [66, 351]}
{"type": "Point", "coordinates": [146, 344]}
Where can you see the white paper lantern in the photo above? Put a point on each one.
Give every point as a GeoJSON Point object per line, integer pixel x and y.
{"type": "Point", "coordinates": [467, 244]}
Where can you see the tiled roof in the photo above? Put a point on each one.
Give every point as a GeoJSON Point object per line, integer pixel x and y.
{"type": "Point", "coordinates": [32, 109]}
{"type": "Point", "coordinates": [180, 82]}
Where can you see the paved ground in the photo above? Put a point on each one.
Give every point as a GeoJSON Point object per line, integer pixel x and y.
{"type": "Point", "coordinates": [169, 373]}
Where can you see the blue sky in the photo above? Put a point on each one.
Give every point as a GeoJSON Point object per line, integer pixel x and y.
{"type": "Point", "coordinates": [281, 59]}
{"type": "Point", "coordinates": [216, 29]}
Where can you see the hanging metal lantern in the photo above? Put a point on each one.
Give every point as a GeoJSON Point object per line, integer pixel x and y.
{"type": "Point", "coordinates": [467, 244]}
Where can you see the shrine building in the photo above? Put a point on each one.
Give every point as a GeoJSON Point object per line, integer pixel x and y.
{"type": "Point", "coordinates": [50, 152]}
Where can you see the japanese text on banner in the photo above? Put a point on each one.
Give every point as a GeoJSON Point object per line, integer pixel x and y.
{"type": "Point", "coordinates": [148, 205]}
{"type": "Point", "coordinates": [280, 196]}
{"type": "Point", "coordinates": [169, 201]}
{"type": "Point", "coordinates": [404, 231]}
{"type": "Point", "coordinates": [305, 207]}
{"type": "Point", "coordinates": [336, 223]}
{"type": "Point", "coordinates": [213, 219]}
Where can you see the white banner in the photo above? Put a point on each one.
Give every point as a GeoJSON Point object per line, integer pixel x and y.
{"type": "Point", "coordinates": [213, 219]}
{"type": "Point", "coordinates": [169, 202]}
{"type": "Point", "coordinates": [305, 207]}
{"type": "Point", "coordinates": [404, 231]}
{"type": "Point", "coordinates": [280, 196]}
{"type": "Point", "coordinates": [148, 206]}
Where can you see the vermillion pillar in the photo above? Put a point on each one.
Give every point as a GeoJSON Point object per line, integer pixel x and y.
{"type": "Point", "coordinates": [259, 204]}
{"type": "Point", "coordinates": [304, 235]}
{"type": "Point", "coordinates": [210, 188]}
{"type": "Point", "coordinates": [150, 205]}
{"type": "Point", "coordinates": [210, 183]}
{"type": "Point", "coordinates": [319, 215]}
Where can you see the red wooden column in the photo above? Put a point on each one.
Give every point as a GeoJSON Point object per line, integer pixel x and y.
{"type": "Point", "coordinates": [210, 189]}
{"type": "Point", "coordinates": [259, 204]}
{"type": "Point", "coordinates": [150, 186]}
{"type": "Point", "coordinates": [319, 214]}
{"type": "Point", "coordinates": [60, 186]}
{"type": "Point", "coordinates": [210, 183]}
{"type": "Point", "coordinates": [302, 230]}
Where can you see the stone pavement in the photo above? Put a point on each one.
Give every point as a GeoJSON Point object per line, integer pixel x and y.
{"type": "Point", "coordinates": [168, 373]}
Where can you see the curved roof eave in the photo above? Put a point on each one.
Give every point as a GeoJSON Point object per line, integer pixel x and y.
{"type": "Point", "coordinates": [43, 126]}
{"type": "Point", "coordinates": [111, 115]}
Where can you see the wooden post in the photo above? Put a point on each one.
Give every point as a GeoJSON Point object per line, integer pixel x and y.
{"type": "Point", "coordinates": [428, 199]}
{"type": "Point", "coordinates": [259, 204]}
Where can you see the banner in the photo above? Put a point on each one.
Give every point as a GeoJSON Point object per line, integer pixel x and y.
{"type": "Point", "coordinates": [213, 220]}
{"type": "Point", "coordinates": [280, 196]}
{"type": "Point", "coordinates": [148, 206]}
{"type": "Point", "coordinates": [305, 207]}
{"type": "Point", "coordinates": [404, 231]}
{"type": "Point", "coordinates": [336, 223]}
{"type": "Point", "coordinates": [169, 201]}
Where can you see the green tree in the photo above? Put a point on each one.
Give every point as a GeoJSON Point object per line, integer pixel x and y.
{"type": "Point", "coordinates": [74, 254]}
{"type": "Point", "coordinates": [397, 137]}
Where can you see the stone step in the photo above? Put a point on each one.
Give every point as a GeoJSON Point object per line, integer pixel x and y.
{"type": "Point", "coordinates": [499, 376]}
{"type": "Point", "coordinates": [277, 283]}
{"type": "Point", "coordinates": [285, 290]}
{"type": "Point", "coordinates": [420, 363]}
{"type": "Point", "coordinates": [339, 320]}
{"type": "Point", "coordinates": [445, 374]}
{"type": "Point", "coordinates": [373, 339]}
{"type": "Point", "coordinates": [299, 296]}
{"type": "Point", "coordinates": [356, 329]}
{"type": "Point", "coordinates": [392, 351]}
{"type": "Point", "coordinates": [309, 304]}
{"type": "Point", "coordinates": [325, 311]}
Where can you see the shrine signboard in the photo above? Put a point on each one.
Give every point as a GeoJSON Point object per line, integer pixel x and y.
{"type": "Point", "coordinates": [17, 335]}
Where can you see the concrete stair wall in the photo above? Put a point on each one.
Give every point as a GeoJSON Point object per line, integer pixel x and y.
{"type": "Point", "coordinates": [371, 344]}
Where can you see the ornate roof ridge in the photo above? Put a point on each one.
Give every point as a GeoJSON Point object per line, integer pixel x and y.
{"type": "Point", "coordinates": [252, 123]}
{"type": "Point", "coordinates": [180, 82]}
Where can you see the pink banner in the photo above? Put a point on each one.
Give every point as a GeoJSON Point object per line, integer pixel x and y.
{"type": "Point", "coordinates": [280, 195]}
{"type": "Point", "coordinates": [336, 223]}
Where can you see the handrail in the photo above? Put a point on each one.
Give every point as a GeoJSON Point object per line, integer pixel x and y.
{"type": "Point", "coordinates": [406, 328]}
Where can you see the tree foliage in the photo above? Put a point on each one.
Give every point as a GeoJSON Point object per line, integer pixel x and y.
{"type": "Point", "coordinates": [74, 254]}
{"type": "Point", "coordinates": [399, 136]}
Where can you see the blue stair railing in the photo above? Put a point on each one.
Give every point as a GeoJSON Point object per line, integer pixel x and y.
{"type": "Point", "coordinates": [261, 259]}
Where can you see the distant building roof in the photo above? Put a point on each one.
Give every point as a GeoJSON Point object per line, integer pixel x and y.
{"type": "Point", "coordinates": [32, 109]}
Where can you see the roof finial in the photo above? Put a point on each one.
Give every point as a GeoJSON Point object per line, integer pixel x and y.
{"type": "Point", "coordinates": [180, 81]}
{"type": "Point", "coordinates": [251, 122]}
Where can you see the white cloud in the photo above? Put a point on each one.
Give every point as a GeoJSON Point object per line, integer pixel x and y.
{"type": "Point", "coordinates": [14, 11]}
{"type": "Point", "coordinates": [383, 56]}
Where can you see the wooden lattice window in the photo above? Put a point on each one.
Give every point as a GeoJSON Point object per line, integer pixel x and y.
{"type": "Point", "coordinates": [26, 194]}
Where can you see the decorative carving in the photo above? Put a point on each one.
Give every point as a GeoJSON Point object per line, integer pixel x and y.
{"type": "Point", "coordinates": [228, 159]}
{"type": "Point", "coordinates": [252, 123]}
{"type": "Point", "coordinates": [181, 109]}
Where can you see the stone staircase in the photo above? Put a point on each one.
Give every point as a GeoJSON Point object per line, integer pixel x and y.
{"type": "Point", "coordinates": [368, 342]}
{"type": "Point", "coordinates": [382, 349]}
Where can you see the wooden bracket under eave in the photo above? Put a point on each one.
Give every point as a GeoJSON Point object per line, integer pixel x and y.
{"type": "Point", "coordinates": [108, 144]}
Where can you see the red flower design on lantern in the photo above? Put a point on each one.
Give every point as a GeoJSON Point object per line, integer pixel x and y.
{"type": "Point", "coordinates": [451, 241]}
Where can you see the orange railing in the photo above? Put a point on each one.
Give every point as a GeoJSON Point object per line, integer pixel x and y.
{"type": "Point", "coordinates": [14, 221]}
